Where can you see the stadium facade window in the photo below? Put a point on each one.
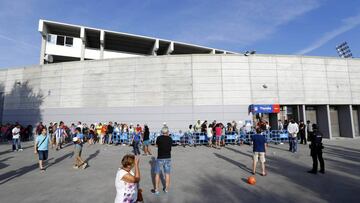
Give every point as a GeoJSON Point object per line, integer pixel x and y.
{"type": "Point", "coordinates": [60, 40]}
{"type": "Point", "coordinates": [51, 39]}
{"type": "Point", "coordinates": [69, 41]}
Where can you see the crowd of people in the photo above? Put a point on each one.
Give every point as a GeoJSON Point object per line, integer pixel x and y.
{"type": "Point", "coordinates": [55, 135]}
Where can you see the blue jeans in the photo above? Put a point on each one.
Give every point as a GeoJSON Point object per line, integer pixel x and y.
{"type": "Point", "coordinates": [165, 163]}
{"type": "Point", "coordinates": [136, 147]}
{"type": "Point", "coordinates": [16, 142]}
{"type": "Point", "coordinates": [293, 144]}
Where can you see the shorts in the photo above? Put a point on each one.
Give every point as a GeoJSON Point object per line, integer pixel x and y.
{"type": "Point", "coordinates": [258, 155]}
{"type": "Point", "coordinates": [43, 154]}
{"type": "Point", "coordinates": [218, 137]}
{"type": "Point", "coordinates": [165, 163]}
{"type": "Point", "coordinates": [77, 150]}
{"type": "Point", "coordinates": [146, 142]}
{"type": "Point", "coordinates": [59, 140]}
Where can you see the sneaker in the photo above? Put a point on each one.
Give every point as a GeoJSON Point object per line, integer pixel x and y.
{"type": "Point", "coordinates": [84, 165]}
{"type": "Point", "coordinates": [75, 167]}
{"type": "Point", "coordinates": [322, 171]}
{"type": "Point", "coordinates": [155, 192]}
{"type": "Point", "coordinates": [311, 171]}
{"type": "Point", "coordinates": [21, 150]}
{"type": "Point", "coordinates": [165, 190]}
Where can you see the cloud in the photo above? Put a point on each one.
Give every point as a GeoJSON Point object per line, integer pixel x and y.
{"type": "Point", "coordinates": [239, 22]}
{"type": "Point", "coordinates": [16, 41]}
{"type": "Point", "coordinates": [347, 25]}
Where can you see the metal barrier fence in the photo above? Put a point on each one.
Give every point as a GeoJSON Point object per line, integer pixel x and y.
{"type": "Point", "coordinates": [274, 136]}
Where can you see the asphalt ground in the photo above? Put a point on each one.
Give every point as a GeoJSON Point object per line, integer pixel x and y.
{"type": "Point", "coordinates": [199, 174]}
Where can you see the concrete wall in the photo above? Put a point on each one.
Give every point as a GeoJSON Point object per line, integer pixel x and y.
{"type": "Point", "coordinates": [176, 89]}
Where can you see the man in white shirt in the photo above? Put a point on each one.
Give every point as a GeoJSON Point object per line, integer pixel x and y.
{"type": "Point", "coordinates": [293, 130]}
{"type": "Point", "coordinates": [16, 138]}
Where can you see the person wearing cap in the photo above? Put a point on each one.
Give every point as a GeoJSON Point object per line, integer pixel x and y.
{"type": "Point", "coordinates": [316, 148]}
{"type": "Point", "coordinates": [164, 144]}
{"type": "Point", "coordinates": [78, 141]}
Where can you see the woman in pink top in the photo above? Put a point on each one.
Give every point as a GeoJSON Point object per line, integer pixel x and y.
{"type": "Point", "coordinates": [218, 133]}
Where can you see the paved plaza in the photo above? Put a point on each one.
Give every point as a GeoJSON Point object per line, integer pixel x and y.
{"type": "Point", "coordinates": [199, 174]}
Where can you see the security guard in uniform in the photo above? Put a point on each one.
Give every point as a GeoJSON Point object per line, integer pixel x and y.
{"type": "Point", "coordinates": [316, 148]}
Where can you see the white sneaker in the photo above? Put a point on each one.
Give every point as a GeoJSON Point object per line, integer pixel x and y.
{"type": "Point", "coordinates": [21, 150]}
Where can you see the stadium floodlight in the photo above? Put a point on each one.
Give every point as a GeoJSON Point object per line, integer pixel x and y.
{"type": "Point", "coordinates": [248, 53]}
{"type": "Point", "coordinates": [344, 50]}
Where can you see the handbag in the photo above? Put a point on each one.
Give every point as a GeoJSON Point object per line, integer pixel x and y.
{"type": "Point", "coordinates": [139, 196]}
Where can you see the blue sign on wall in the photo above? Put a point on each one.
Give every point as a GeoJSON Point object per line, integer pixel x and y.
{"type": "Point", "coordinates": [264, 108]}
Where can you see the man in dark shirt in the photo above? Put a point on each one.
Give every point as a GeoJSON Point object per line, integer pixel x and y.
{"type": "Point", "coordinates": [164, 143]}
{"type": "Point", "coordinates": [110, 130]}
{"type": "Point", "coordinates": [259, 149]}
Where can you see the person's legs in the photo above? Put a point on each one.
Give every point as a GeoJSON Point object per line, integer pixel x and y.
{"type": "Point", "coordinates": [13, 144]}
{"type": "Point", "coordinates": [167, 170]}
{"type": "Point", "coordinates": [157, 176]}
{"type": "Point", "coordinates": [262, 160]}
{"type": "Point", "coordinates": [290, 143]}
{"type": "Point", "coordinates": [19, 145]}
{"type": "Point", "coordinates": [315, 163]}
{"type": "Point", "coordinates": [255, 158]}
{"type": "Point", "coordinates": [167, 184]}
{"type": "Point", "coordinates": [321, 160]}
{"type": "Point", "coordinates": [294, 147]}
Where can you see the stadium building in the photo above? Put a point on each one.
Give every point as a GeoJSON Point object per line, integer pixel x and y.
{"type": "Point", "coordinates": [94, 75]}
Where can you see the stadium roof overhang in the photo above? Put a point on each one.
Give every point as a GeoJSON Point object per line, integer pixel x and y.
{"type": "Point", "coordinates": [125, 42]}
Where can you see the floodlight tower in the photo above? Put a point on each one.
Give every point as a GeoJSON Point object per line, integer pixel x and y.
{"type": "Point", "coordinates": [344, 50]}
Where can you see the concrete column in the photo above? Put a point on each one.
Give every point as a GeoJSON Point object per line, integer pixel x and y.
{"type": "Point", "coordinates": [102, 44]}
{"type": "Point", "coordinates": [155, 48]}
{"type": "Point", "coordinates": [43, 31]}
{"type": "Point", "coordinates": [42, 50]}
{"type": "Point", "coordinates": [303, 116]}
{"type": "Point", "coordinates": [346, 122]}
{"type": "Point", "coordinates": [83, 39]}
{"type": "Point", "coordinates": [170, 48]}
{"type": "Point", "coordinates": [323, 120]}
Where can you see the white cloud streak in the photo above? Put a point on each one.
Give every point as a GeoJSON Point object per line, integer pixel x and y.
{"type": "Point", "coordinates": [17, 41]}
{"type": "Point", "coordinates": [241, 22]}
{"type": "Point", "coordinates": [347, 25]}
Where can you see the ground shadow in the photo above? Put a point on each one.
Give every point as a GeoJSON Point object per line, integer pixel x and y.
{"type": "Point", "coordinates": [60, 159]}
{"type": "Point", "coordinates": [10, 149]}
{"type": "Point", "coordinates": [238, 164]}
{"type": "Point", "coordinates": [238, 151]}
{"type": "Point", "coordinates": [331, 187]}
{"type": "Point", "coordinates": [4, 165]}
{"type": "Point", "coordinates": [4, 178]}
{"type": "Point", "coordinates": [93, 155]}
{"type": "Point", "coordinates": [212, 188]}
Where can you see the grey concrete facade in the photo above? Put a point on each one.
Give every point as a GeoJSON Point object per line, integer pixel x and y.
{"type": "Point", "coordinates": [176, 89]}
